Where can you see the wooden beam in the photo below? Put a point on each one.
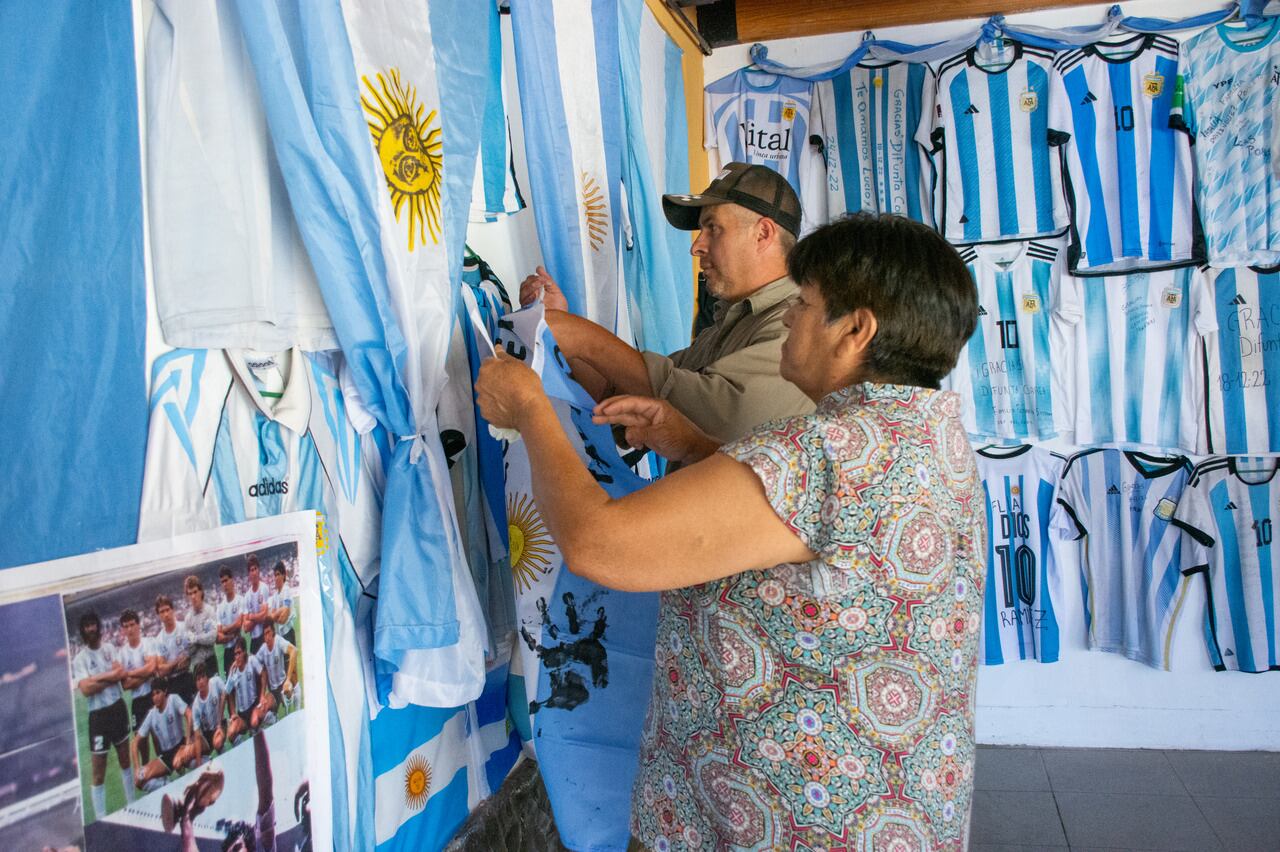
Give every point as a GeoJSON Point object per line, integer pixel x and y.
{"type": "Point", "coordinates": [761, 20]}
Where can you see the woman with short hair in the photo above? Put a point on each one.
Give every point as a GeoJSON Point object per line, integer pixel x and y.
{"type": "Point", "coordinates": [822, 577]}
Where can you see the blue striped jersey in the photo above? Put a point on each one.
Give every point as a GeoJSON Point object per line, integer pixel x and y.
{"type": "Point", "coordinates": [167, 725]}
{"type": "Point", "coordinates": [1229, 511]}
{"type": "Point", "coordinates": [1119, 505]}
{"type": "Point", "coordinates": [1137, 373]}
{"type": "Point", "coordinates": [237, 435]}
{"type": "Point", "coordinates": [762, 118]}
{"type": "Point", "coordinates": [1129, 172]}
{"type": "Point", "coordinates": [1229, 81]}
{"type": "Point", "coordinates": [1008, 375]}
{"type": "Point", "coordinates": [989, 130]}
{"type": "Point", "coordinates": [1019, 621]}
{"type": "Point", "coordinates": [867, 120]}
{"type": "Point", "coordinates": [1242, 364]}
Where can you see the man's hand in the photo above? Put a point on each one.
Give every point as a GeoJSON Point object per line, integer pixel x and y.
{"type": "Point", "coordinates": [656, 425]}
{"type": "Point", "coordinates": [540, 284]}
{"type": "Point", "coordinates": [506, 389]}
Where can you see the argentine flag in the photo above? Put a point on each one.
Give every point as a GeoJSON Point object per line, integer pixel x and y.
{"type": "Point", "coordinates": [567, 59]}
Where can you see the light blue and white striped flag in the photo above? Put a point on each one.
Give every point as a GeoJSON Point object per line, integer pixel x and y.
{"type": "Point", "coordinates": [496, 192]}
{"type": "Point", "coordinates": [567, 62]}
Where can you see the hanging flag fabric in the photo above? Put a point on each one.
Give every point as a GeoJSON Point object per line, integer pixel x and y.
{"type": "Point", "coordinates": [73, 322]}
{"type": "Point", "coordinates": [656, 263]}
{"type": "Point", "coordinates": [570, 100]}
{"type": "Point", "coordinates": [497, 192]}
{"type": "Point", "coordinates": [228, 264]}
{"type": "Point", "coordinates": [383, 170]}
{"type": "Point", "coordinates": [581, 680]}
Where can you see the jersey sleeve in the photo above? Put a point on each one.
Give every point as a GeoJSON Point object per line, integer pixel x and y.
{"type": "Point", "coordinates": [1068, 518]}
{"type": "Point", "coordinates": [148, 724]}
{"type": "Point", "coordinates": [929, 133]}
{"type": "Point", "coordinates": [1194, 516]}
{"type": "Point", "coordinates": [1060, 124]}
{"type": "Point", "coordinates": [813, 172]}
{"type": "Point", "coordinates": [178, 704]}
{"type": "Point", "coordinates": [80, 667]}
{"type": "Point", "coordinates": [179, 446]}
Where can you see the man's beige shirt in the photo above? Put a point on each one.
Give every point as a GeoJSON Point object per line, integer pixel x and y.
{"type": "Point", "coordinates": [727, 381]}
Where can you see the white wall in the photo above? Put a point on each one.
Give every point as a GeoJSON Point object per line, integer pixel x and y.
{"type": "Point", "coordinates": [1089, 698]}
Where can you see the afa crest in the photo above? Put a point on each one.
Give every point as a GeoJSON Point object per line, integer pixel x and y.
{"type": "Point", "coordinates": [1028, 101]}
{"type": "Point", "coordinates": [1152, 85]}
{"type": "Point", "coordinates": [407, 139]}
{"type": "Point", "coordinates": [789, 112]}
{"type": "Point", "coordinates": [1031, 303]}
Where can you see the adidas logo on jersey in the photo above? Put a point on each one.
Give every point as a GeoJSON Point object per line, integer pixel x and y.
{"type": "Point", "coordinates": [1231, 506]}
{"type": "Point", "coordinates": [1238, 300]}
{"type": "Point", "coordinates": [971, 110]}
{"type": "Point", "coordinates": [1111, 489]}
{"type": "Point", "coordinates": [982, 312]}
{"type": "Point", "coordinates": [1089, 97]}
{"type": "Point", "coordinates": [268, 487]}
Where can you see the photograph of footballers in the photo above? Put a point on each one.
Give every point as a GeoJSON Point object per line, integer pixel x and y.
{"type": "Point", "coordinates": [39, 784]}
{"type": "Point", "coordinates": [171, 670]}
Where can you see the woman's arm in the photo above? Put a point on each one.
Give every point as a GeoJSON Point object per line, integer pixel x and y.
{"type": "Point", "coordinates": [701, 523]}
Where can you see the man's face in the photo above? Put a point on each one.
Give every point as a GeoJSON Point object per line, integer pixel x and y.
{"type": "Point", "coordinates": [279, 581]}
{"type": "Point", "coordinates": [91, 633]}
{"type": "Point", "coordinates": [132, 631]}
{"type": "Point", "coordinates": [810, 343]}
{"type": "Point", "coordinates": [726, 245]}
{"type": "Point", "coordinates": [166, 615]}
{"type": "Point", "coordinates": [238, 657]}
{"type": "Point", "coordinates": [158, 696]}
{"type": "Point", "coordinates": [229, 587]}
{"type": "Point", "coordinates": [202, 685]}
{"type": "Point", "coordinates": [269, 634]}
{"type": "Point", "coordinates": [254, 576]}
{"type": "Point", "coordinates": [196, 598]}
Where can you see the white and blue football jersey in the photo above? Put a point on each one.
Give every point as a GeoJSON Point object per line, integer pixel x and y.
{"type": "Point", "coordinates": [989, 131]}
{"type": "Point", "coordinates": [1129, 171]}
{"type": "Point", "coordinates": [1019, 621]}
{"type": "Point", "coordinates": [135, 658]}
{"type": "Point", "coordinates": [1137, 371]}
{"type": "Point", "coordinates": [1119, 505]}
{"type": "Point", "coordinates": [763, 119]}
{"type": "Point", "coordinates": [1008, 375]}
{"type": "Point", "coordinates": [207, 711]}
{"type": "Point", "coordinates": [168, 726]}
{"type": "Point", "coordinates": [90, 662]}
{"type": "Point", "coordinates": [245, 684]}
{"type": "Point", "coordinates": [1229, 80]}
{"type": "Point", "coordinates": [237, 435]}
{"type": "Point", "coordinates": [1242, 364]}
{"type": "Point", "coordinates": [867, 119]}
{"type": "Point", "coordinates": [1229, 510]}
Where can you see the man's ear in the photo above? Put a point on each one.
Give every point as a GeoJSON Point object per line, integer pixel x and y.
{"type": "Point", "coordinates": [767, 233]}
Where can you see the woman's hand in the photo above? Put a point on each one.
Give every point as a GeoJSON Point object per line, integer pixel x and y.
{"type": "Point", "coordinates": [505, 390]}
{"type": "Point", "coordinates": [655, 424]}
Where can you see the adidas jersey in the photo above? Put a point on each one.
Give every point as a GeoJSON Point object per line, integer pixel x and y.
{"type": "Point", "coordinates": [172, 645]}
{"type": "Point", "coordinates": [1242, 364]}
{"type": "Point", "coordinates": [867, 120]}
{"type": "Point", "coordinates": [1006, 374]}
{"type": "Point", "coordinates": [1019, 621]}
{"type": "Point", "coordinates": [255, 600]}
{"type": "Point", "coordinates": [237, 435]}
{"type": "Point", "coordinates": [230, 610]}
{"type": "Point", "coordinates": [245, 684]}
{"type": "Point", "coordinates": [205, 710]}
{"type": "Point", "coordinates": [276, 661]}
{"type": "Point", "coordinates": [1119, 505]}
{"type": "Point", "coordinates": [91, 663]}
{"type": "Point", "coordinates": [1137, 348]}
{"type": "Point", "coordinates": [1229, 511]}
{"type": "Point", "coordinates": [135, 658]}
{"type": "Point", "coordinates": [989, 135]}
{"type": "Point", "coordinates": [167, 725]}
{"type": "Point", "coordinates": [1129, 171]}
{"type": "Point", "coordinates": [1229, 82]}
{"type": "Point", "coordinates": [762, 118]}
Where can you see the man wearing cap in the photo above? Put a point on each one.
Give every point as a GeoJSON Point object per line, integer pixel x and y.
{"type": "Point", "coordinates": [727, 381]}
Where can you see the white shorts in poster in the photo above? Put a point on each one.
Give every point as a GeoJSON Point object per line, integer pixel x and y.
{"type": "Point", "coordinates": [137, 714]}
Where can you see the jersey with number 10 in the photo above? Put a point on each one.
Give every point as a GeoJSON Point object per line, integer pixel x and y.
{"type": "Point", "coordinates": [1229, 80]}
{"type": "Point", "coordinates": [990, 130]}
{"type": "Point", "coordinates": [1018, 617]}
{"type": "Point", "coordinates": [1005, 376]}
{"type": "Point", "coordinates": [1120, 505]}
{"type": "Point", "coordinates": [1130, 172]}
{"type": "Point", "coordinates": [1242, 363]}
{"type": "Point", "coordinates": [1230, 511]}
{"type": "Point", "coordinates": [867, 119]}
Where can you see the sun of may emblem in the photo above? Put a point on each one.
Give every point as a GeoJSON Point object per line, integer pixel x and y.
{"type": "Point", "coordinates": [530, 542]}
{"type": "Point", "coordinates": [417, 782]}
{"type": "Point", "coordinates": [409, 148]}
{"type": "Point", "coordinates": [593, 208]}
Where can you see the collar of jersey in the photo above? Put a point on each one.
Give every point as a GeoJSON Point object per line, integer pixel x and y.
{"type": "Point", "coordinates": [1247, 473]}
{"type": "Point", "coordinates": [1153, 467]}
{"type": "Point", "coordinates": [971, 56]}
{"type": "Point", "coordinates": [1146, 39]}
{"type": "Point", "coordinates": [1224, 33]}
{"type": "Point", "coordinates": [293, 408]}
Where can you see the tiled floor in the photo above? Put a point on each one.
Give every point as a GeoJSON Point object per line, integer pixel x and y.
{"type": "Point", "coordinates": [1082, 799]}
